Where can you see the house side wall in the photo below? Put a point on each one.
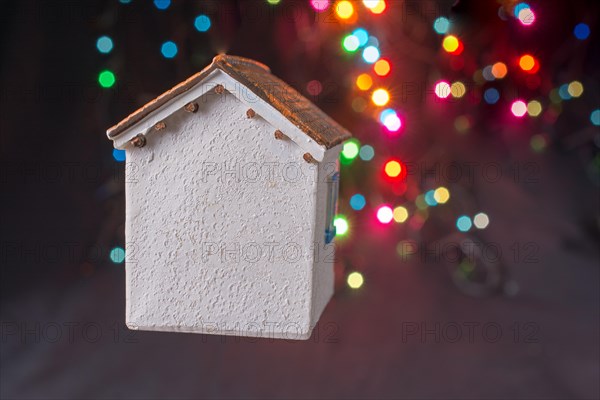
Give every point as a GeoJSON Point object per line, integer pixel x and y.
{"type": "Point", "coordinates": [323, 277]}
{"type": "Point", "coordinates": [220, 224]}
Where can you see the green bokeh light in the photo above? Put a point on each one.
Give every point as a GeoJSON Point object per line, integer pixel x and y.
{"type": "Point", "coordinates": [117, 255]}
{"type": "Point", "coordinates": [106, 79]}
{"type": "Point", "coordinates": [341, 225]}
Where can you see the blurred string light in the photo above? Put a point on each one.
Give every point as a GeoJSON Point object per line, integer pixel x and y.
{"type": "Point", "coordinates": [119, 155]}
{"type": "Point", "coordinates": [518, 108]}
{"type": "Point", "coordinates": [350, 149]}
{"type": "Point", "coordinates": [106, 78]}
{"type": "Point", "coordinates": [450, 43]}
{"type": "Point", "coordinates": [458, 89]}
{"type": "Point", "coordinates": [595, 117]}
{"type": "Point", "coordinates": [575, 88]}
{"type": "Point", "coordinates": [371, 54]}
{"type": "Point", "coordinates": [526, 16]}
{"type": "Point", "coordinates": [380, 97]}
{"type": "Point", "coordinates": [359, 104]}
{"type": "Point", "coordinates": [499, 70]}
{"type": "Point", "coordinates": [382, 67]}
{"type": "Point", "coordinates": [124, 1]}
{"type": "Point", "coordinates": [529, 64]}
{"type": "Point", "coordinates": [273, 2]}
{"type": "Point", "coordinates": [390, 119]}
{"type": "Point", "coordinates": [341, 225]}
{"type": "Point", "coordinates": [393, 168]}
{"type": "Point", "coordinates": [364, 82]}
{"type": "Point", "coordinates": [385, 214]}
{"type": "Point", "coordinates": [520, 7]}
{"type": "Point", "coordinates": [400, 214]}
{"type": "Point", "coordinates": [538, 143]}
{"type": "Point", "coordinates": [319, 5]}
{"type": "Point", "coordinates": [481, 220]}
{"type": "Point", "coordinates": [581, 31]}
{"type": "Point", "coordinates": [534, 108]}
{"type": "Point", "coordinates": [375, 6]}
{"type": "Point", "coordinates": [430, 198]}
{"type": "Point", "coordinates": [202, 23]}
{"type": "Point", "coordinates": [168, 49]}
{"type": "Point", "coordinates": [441, 25]}
{"type": "Point", "coordinates": [491, 95]}
{"type": "Point", "coordinates": [442, 89]}
{"type": "Point", "coordinates": [314, 87]}
{"type": "Point", "coordinates": [355, 280]}
{"type": "Point", "coordinates": [462, 124]}
{"type": "Point", "coordinates": [117, 255]}
{"type": "Point", "coordinates": [463, 223]}
{"type": "Point", "coordinates": [358, 202]}
{"type": "Point", "coordinates": [441, 195]}
{"type": "Point", "coordinates": [162, 4]}
{"type": "Point", "coordinates": [366, 153]}
{"type": "Point", "coordinates": [563, 92]}
{"type": "Point", "coordinates": [104, 44]}
{"type": "Point", "coordinates": [344, 9]}
{"type": "Point", "coordinates": [362, 35]}
{"type": "Point", "coordinates": [351, 43]}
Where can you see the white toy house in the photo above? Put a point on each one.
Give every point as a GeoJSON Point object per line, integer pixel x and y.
{"type": "Point", "coordinates": [231, 189]}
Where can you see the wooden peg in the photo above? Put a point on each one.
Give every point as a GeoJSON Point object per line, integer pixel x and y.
{"type": "Point", "coordinates": [191, 107]}
{"type": "Point", "coordinates": [159, 126]}
{"type": "Point", "coordinates": [219, 89]}
{"type": "Point", "coordinates": [279, 135]}
{"type": "Point", "coordinates": [250, 113]}
{"type": "Point", "coordinates": [308, 158]}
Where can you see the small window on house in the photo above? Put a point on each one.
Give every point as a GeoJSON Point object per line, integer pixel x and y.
{"type": "Point", "coordinates": [333, 183]}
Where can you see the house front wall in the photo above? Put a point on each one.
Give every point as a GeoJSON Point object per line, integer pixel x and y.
{"type": "Point", "coordinates": [220, 226]}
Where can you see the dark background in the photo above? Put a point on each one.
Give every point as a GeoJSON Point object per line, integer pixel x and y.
{"type": "Point", "coordinates": [62, 210]}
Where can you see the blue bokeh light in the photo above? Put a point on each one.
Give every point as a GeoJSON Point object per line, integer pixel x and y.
{"type": "Point", "coordinates": [358, 202]}
{"type": "Point", "coordinates": [581, 31]}
{"type": "Point", "coordinates": [464, 223]}
{"type": "Point", "coordinates": [202, 23]}
{"type": "Point", "coordinates": [104, 44]}
{"type": "Point", "coordinates": [162, 4]}
{"type": "Point", "coordinates": [169, 49]}
{"type": "Point", "coordinates": [441, 25]}
{"type": "Point", "coordinates": [491, 95]}
{"type": "Point", "coordinates": [366, 153]}
{"type": "Point", "coordinates": [118, 155]}
{"type": "Point", "coordinates": [362, 35]}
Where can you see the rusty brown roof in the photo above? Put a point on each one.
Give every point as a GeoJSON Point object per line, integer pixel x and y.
{"type": "Point", "coordinates": [258, 79]}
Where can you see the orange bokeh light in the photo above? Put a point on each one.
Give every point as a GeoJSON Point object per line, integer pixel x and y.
{"type": "Point", "coordinates": [382, 67]}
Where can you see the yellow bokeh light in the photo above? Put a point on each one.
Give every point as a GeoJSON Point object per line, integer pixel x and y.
{"type": "Point", "coordinates": [382, 67]}
{"type": "Point", "coordinates": [441, 195]}
{"type": "Point", "coordinates": [355, 280]}
{"type": "Point", "coordinates": [400, 214]}
{"type": "Point", "coordinates": [364, 82]}
{"type": "Point", "coordinates": [575, 89]}
{"type": "Point", "coordinates": [458, 89]}
{"type": "Point", "coordinates": [534, 108]}
{"type": "Point", "coordinates": [499, 70]}
{"type": "Point", "coordinates": [450, 43]}
{"type": "Point", "coordinates": [344, 9]}
{"type": "Point", "coordinates": [379, 7]}
{"type": "Point", "coordinates": [380, 97]}
{"type": "Point", "coordinates": [393, 169]}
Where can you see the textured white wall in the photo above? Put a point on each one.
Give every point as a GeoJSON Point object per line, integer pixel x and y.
{"type": "Point", "coordinates": [184, 213]}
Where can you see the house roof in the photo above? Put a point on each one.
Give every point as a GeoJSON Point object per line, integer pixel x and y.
{"type": "Point", "coordinates": [258, 79]}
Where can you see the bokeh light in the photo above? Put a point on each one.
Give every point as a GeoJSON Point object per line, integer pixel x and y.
{"type": "Point", "coordinates": [358, 202]}
{"type": "Point", "coordinates": [481, 220]}
{"type": "Point", "coordinates": [370, 54]}
{"type": "Point", "coordinates": [380, 97]}
{"type": "Point", "coordinates": [355, 280]}
{"type": "Point", "coordinates": [106, 78]}
{"type": "Point", "coordinates": [400, 214]}
{"type": "Point", "coordinates": [534, 108]}
{"type": "Point", "coordinates": [430, 198]}
{"type": "Point", "coordinates": [364, 82]}
{"type": "Point", "coordinates": [367, 153]}
{"type": "Point", "coordinates": [526, 17]}
{"type": "Point", "coordinates": [382, 67]}
{"type": "Point", "coordinates": [520, 7]}
{"type": "Point", "coordinates": [575, 89]}
{"type": "Point", "coordinates": [202, 23]}
{"type": "Point", "coordinates": [392, 122]}
{"type": "Point", "coordinates": [341, 225]}
{"type": "Point", "coordinates": [441, 25]}
{"type": "Point", "coordinates": [458, 89]}
{"type": "Point", "coordinates": [528, 64]}
{"type": "Point", "coordinates": [442, 89]}
{"type": "Point", "coordinates": [104, 44]}
{"type": "Point", "coordinates": [119, 155]}
{"type": "Point", "coordinates": [314, 87]}
{"type": "Point", "coordinates": [450, 43]}
{"type": "Point", "coordinates": [162, 4]}
{"type": "Point", "coordinates": [595, 117]}
{"type": "Point", "coordinates": [581, 31]}
{"type": "Point", "coordinates": [385, 214]}
{"type": "Point", "coordinates": [344, 9]}
{"type": "Point", "coordinates": [273, 2]}
{"type": "Point", "coordinates": [518, 108]}
{"type": "Point", "coordinates": [491, 95]}
{"type": "Point", "coordinates": [350, 43]}
{"type": "Point", "coordinates": [117, 255]}
{"type": "Point", "coordinates": [463, 223]}
{"type": "Point", "coordinates": [350, 149]}
{"type": "Point", "coordinates": [319, 5]}
{"type": "Point", "coordinates": [499, 70]}
{"type": "Point", "coordinates": [393, 168]}
{"type": "Point", "coordinates": [441, 195]}
{"type": "Point", "coordinates": [362, 35]}
{"type": "Point", "coordinates": [563, 92]}
{"type": "Point", "coordinates": [168, 49]}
